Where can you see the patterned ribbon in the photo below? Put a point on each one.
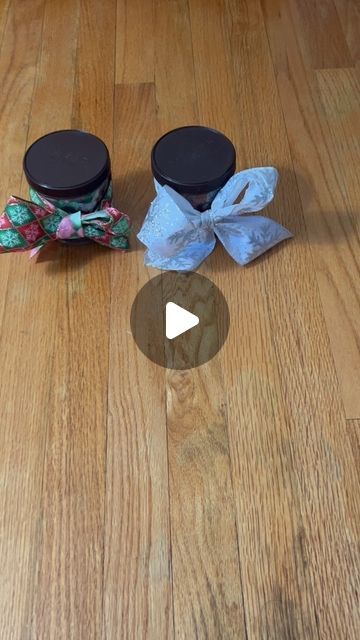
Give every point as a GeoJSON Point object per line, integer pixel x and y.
{"type": "Point", "coordinates": [179, 238]}
{"type": "Point", "coordinates": [31, 224]}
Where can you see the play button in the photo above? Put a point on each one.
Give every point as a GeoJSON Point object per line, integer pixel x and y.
{"type": "Point", "coordinates": [179, 320]}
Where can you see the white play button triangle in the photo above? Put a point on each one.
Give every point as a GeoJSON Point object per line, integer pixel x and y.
{"type": "Point", "coordinates": [178, 320]}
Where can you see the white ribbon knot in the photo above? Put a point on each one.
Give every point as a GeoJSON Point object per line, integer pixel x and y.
{"type": "Point", "coordinates": [207, 219]}
{"type": "Point", "coordinates": [179, 238]}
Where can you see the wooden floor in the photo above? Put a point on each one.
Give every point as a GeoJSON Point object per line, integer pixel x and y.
{"type": "Point", "coordinates": [221, 502]}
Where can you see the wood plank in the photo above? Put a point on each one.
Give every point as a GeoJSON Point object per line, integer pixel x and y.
{"type": "Point", "coordinates": [337, 102]}
{"type": "Point", "coordinates": [23, 420]}
{"type": "Point", "coordinates": [354, 434]}
{"type": "Point", "coordinates": [206, 576]}
{"type": "Point", "coordinates": [315, 438]}
{"type": "Point", "coordinates": [349, 14]}
{"type": "Point", "coordinates": [321, 36]}
{"type": "Point", "coordinates": [174, 59]}
{"type": "Point", "coordinates": [216, 101]}
{"type": "Point", "coordinates": [69, 599]}
{"type": "Point", "coordinates": [137, 587]}
{"type": "Point", "coordinates": [4, 14]}
{"type": "Point", "coordinates": [52, 102]}
{"type": "Point", "coordinates": [277, 596]}
{"type": "Point", "coordinates": [95, 69]}
{"type": "Point", "coordinates": [17, 80]}
{"type": "Point", "coordinates": [331, 227]}
{"type": "Point", "coordinates": [207, 585]}
{"type": "Point", "coordinates": [134, 41]}
{"type": "Point", "coordinates": [240, 16]}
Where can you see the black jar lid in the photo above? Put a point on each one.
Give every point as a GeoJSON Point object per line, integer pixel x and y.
{"type": "Point", "coordinates": [67, 164]}
{"type": "Point", "coordinates": [193, 159]}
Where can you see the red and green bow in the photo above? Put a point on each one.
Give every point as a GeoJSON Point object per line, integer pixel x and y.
{"type": "Point", "coordinates": [32, 224]}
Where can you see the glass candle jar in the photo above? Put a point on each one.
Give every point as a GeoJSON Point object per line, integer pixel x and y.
{"type": "Point", "coordinates": [195, 161]}
{"type": "Point", "coordinates": [71, 169]}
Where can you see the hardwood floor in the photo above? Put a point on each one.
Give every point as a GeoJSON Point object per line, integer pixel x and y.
{"type": "Point", "coordinates": [219, 502]}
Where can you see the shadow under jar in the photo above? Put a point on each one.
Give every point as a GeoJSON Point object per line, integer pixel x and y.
{"type": "Point", "coordinates": [195, 161]}
{"type": "Point", "coordinates": [71, 169]}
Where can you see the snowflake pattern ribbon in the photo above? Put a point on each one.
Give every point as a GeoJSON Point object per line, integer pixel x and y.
{"type": "Point", "coordinates": [30, 224]}
{"type": "Point", "coordinates": [179, 238]}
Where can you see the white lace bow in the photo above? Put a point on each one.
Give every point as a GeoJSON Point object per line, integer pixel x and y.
{"type": "Point", "coordinates": [179, 238]}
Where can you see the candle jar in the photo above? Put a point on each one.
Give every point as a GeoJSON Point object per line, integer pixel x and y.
{"type": "Point", "coordinates": [195, 161]}
{"type": "Point", "coordinates": [71, 169]}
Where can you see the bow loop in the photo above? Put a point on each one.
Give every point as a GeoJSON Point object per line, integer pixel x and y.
{"type": "Point", "coordinates": [178, 237]}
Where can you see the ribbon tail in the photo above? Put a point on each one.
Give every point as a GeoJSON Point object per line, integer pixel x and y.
{"type": "Point", "coordinates": [22, 226]}
{"type": "Point", "coordinates": [248, 237]}
{"type": "Point", "coordinates": [34, 252]}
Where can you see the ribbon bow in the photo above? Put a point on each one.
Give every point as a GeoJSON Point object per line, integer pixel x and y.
{"type": "Point", "coordinates": [178, 237]}
{"type": "Point", "coordinates": [30, 224]}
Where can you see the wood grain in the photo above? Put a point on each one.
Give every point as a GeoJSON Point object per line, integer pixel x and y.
{"type": "Point", "coordinates": [137, 587]}
{"type": "Point", "coordinates": [93, 104]}
{"type": "Point", "coordinates": [304, 361]}
{"type": "Point", "coordinates": [321, 37]}
{"type": "Point", "coordinates": [68, 601]}
{"type": "Point", "coordinates": [18, 35]}
{"type": "Point", "coordinates": [220, 502]}
{"type": "Point", "coordinates": [212, 58]}
{"type": "Point", "coordinates": [135, 41]}
{"type": "Point", "coordinates": [4, 14]}
{"type": "Point", "coordinates": [51, 550]}
{"type": "Point", "coordinates": [52, 100]}
{"type": "Point", "coordinates": [337, 100]}
{"type": "Point", "coordinates": [174, 65]}
{"type": "Point", "coordinates": [354, 434]}
{"type": "Point", "coordinates": [24, 363]}
{"type": "Point", "coordinates": [276, 592]}
{"type": "Point", "coordinates": [206, 574]}
{"type": "Point", "coordinates": [331, 225]}
{"type": "Point", "coordinates": [349, 14]}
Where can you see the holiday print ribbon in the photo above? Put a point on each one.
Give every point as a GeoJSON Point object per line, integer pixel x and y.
{"type": "Point", "coordinates": [31, 224]}
{"type": "Point", "coordinates": [179, 237]}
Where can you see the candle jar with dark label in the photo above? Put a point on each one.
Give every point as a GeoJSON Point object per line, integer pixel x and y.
{"type": "Point", "coordinates": [195, 161]}
{"type": "Point", "coordinates": [71, 169]}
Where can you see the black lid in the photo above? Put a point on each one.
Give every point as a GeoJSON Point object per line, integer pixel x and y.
{"type": "Point", "coordinates": [193, 159]}
{"type": "Point", "coordinates": [67, 163]}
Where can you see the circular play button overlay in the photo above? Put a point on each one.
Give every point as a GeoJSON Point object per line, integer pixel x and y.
{"type": "Point", "coordinates": [180, 320]}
